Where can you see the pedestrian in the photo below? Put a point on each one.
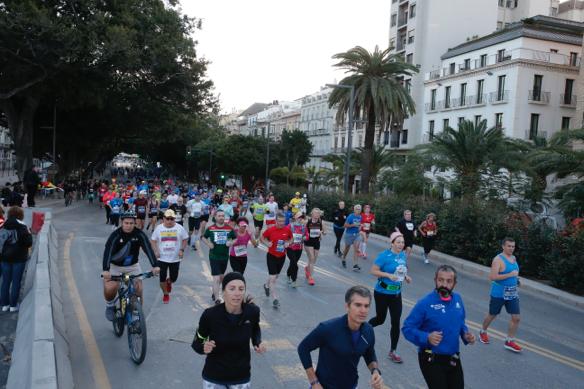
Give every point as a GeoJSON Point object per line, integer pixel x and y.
{"type": "Point", "coordinates": [339, 217]}
{"type": "Point", "coordinates": [238, 250]}
{"type": "Point", "coordinates": [6, 192]}
{"type": "Point", "coordinates": [407, 228]}
{"type": "Point", "coordinates": [342, 342]}
{"type": "Point", "coordinates": [391, 270]}
{"type": "Point", "coordinates": [16, 197]}
{"type": "Point", "coordinates": [314, 232]}
{"type": "Point", "coordinates": [224, 334]}
{"type": "Point", "coordinates": [428, 229]}
{"type": "Point", "coordinates": [504, 278]}
{"type": "Point", "coordinates": [294, 251]}
{"type": "Point", "coordinates": [352, 237]}
{"type": "Point", "coordinates": [15, 240]}
{"type": "Point", "coordinates": [31, 181]}
{"type": "Point", "coordinates": [277, 238]}
{"type": "Point", "coordinates": [435, 325]}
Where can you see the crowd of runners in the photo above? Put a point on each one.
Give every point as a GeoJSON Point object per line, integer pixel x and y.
{"type": "Point", "coordinates": [166, 218]}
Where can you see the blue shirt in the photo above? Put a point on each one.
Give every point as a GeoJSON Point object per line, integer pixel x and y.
{"type": "Point", "coordinates": [389, 262]}
{"type": "Point", "coordinates": [338, 356]}
{"type": "Point", "coordinates": [501, 288]}
{"type": "Point", "coordinates": [430, 314]}
{"type": "Point", "coordinates": [116, 204]}
{"type": "Point", "coordinates": [288, 215]}
{"type": "Point", "coordinates": [352, 219]}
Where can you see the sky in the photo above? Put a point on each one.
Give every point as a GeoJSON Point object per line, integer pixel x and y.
{"type": "Point", "coordinates": [265, 50]}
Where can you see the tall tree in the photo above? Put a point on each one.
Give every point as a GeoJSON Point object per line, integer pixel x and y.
{"type": "Point", "coordinates": [380, 96]}
{"type": "Point", "coordinates": [295, 149]}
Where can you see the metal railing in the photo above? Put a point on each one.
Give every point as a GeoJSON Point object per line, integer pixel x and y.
{"type": "Point", "coordinates": [501, 96]}
{"type": "Point", "coordinates": [538, 96]}
{"type": "Point", "coordinates": [568, 100]}
{"type": "Point", "coordinates": [531, 134]}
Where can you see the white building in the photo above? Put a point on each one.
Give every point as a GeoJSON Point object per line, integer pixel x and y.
{"type": "Point", "coordinates": [423, 30]}
{"type": "Point", "coordinates": [522, 78]}
{"type": "Point", "coordinates": [572, 10]}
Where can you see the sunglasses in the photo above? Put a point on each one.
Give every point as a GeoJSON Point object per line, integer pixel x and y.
{"type": "Point", "coordinates": [169, 218]}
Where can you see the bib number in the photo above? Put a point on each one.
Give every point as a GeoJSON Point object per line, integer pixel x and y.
{"type": "Point", "coordinates": [297, 238]}
{"type": "Point", "coordinates": [410, 226]}
{"type": "Point", "coordinates": [196, 214]}
{"type": "Point", "coordinates": [366, 226]}
{"type": "Point", "coordinates": [280, 246]}
{"type": "Point", "coordinates": [400, 272]}
{"type": "Point", "coordinates": [240, 251]}
{"type": "Point", "coordinates": [314, 232]}
{"type": "Point", "coordinates": [510, 293]}
{"type": "Point", "coordinates": [141, 209]}
{"type": "Point", "coordinates": [430, 233]}
{"type": "Point", "coordinates": [220, 237]}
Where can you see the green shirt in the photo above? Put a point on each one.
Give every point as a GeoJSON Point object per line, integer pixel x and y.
{"type": "Point", "coordinates": [219, 237]}
{"type": "Point", "coordinates": [259, 210]}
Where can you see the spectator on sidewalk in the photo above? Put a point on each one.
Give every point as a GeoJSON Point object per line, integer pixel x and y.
{"type": "Point", "coordinates": [15, 240]}
{"type": "Point", "coordinates": [5, 194]}
{"type": "Point", "coordinates": [16, 197]}
{"type": "Point", "coordinates": [31, 181]}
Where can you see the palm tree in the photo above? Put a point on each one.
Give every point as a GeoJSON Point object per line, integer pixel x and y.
{"type": "Point", "coordinates": [336, 174]}
{"type": "Point", "coordinates": [380, 96]}
{"type": "Point", "coordinates": [380, 158]}
{"type": "Point", "coordinates": [471, 152]}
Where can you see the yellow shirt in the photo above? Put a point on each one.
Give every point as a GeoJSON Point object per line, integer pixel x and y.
{"type": "Point", "coordinates": [295, 202]}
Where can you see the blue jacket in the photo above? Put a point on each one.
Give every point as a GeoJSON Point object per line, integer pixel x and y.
{"type": "Point", "coordinates": [433, 314]}
{"type": "Point", "coordinates": [338, 357]}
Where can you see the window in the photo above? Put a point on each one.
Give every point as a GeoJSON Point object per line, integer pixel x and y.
{"type": "Point", "coordinates": [411, 36]}
{"type": "Point", "coordinates": [499, 25]}
{"type": "Point", "coordinates": [483, 60]}
{"type": "Point", "coordinates": [554, 11]}
{"type": "Point", "coordinates": [410, 58]}
{"type": "Point", "coordinates": [393, 20]}
{"type": "Point", "coordinates": [336, 142]}
{"type": "Point", "coordinates": [501, 3]}
{"type": "Point", "coordinates": [463, 94]}
{"type": "Point", "coordinates": [478, 119]}
{"type": "Point", "coordinates": [413, 11]}
{"type": "Point", "coordinates": [467, 64]}
{"type": "Point", "coordinates": [501, 88]}
{"type": "Point", "coordinates": [554, 51]}
{"type": "Point", "coordinates": [568, 89]}
{"type": "Point", "coordinates": [536, 92]}
{"type": "Point", "coordinates": [499, 120]}
{"type": "Point", "coordinates": [393, 1]}
{"type": "Point", "coordinates": [460, 120]}
{"type": "Point", "coordinates": [408, 85]}
{"type": "Point", "coordinates": [445, 124]}
{"type": "Point", "coordinates": [404, 139]}
{"type": "Point", "coordinates": [565, 122]}
{"type": "Point", "coordinates": [360, 141]}
{"type": "Point", "coordinates": [386, 138]}
{"type": "Point", "coordinates": [447, 97]}
{"type": "Point", "coordinates": [533, 125]}
{"type": "Point", "coordinates": [501, 56]}
{"type": "Point", "coordinates": [431, 130]}
{"type": "Point", "coordinates": [452, 68]}
{"type": "Point", "coordinates": [433, 99]}
{"type": "Point", "coordinates": [480, 87]}
{"type": "Point", "coordinates": [573, 59]}
{"type": "Point", "coordinates": [343, 142]}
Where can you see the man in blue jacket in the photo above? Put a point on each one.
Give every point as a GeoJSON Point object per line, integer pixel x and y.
{"type": "Point", "coordinates": [342, 342]}
{"type": "Point", "coordinates": [435, 325]}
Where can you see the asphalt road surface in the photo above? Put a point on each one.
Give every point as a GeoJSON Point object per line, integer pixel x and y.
{"type": "Point", "coordinates": [550, 332]}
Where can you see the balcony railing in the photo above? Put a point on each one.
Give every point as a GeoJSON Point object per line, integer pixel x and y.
{"type": "Point", "coordinates": [501, 96]}
{"type": "Point", "coordinates": [431, 107]}
{"type": "Point", "coordinates": [434, 74]}
{"type": "Point", "coordinates": [538, 97]}
{"type": "Point", "coordinates": [568, 100]}
{"type": "Point", "coordinates": [402, 20]}
{"type": "Point", "coordinates": [532, 134]}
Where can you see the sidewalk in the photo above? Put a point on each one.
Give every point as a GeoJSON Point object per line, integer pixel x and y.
{"type": "Point", "coordinates": [7, 335]}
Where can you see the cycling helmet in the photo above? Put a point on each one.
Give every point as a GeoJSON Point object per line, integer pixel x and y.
{"type": "Point", "coordinates": [128, 214]}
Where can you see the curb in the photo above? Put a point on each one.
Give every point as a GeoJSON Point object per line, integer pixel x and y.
{"type": "Point", "coordinates": [476, 269]}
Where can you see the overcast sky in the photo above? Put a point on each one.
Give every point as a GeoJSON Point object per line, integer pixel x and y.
{"type": "Point", "coordinates": [264, 50]}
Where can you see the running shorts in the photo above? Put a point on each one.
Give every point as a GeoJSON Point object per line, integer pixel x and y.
{"type": "Point", "coordinates": [168, 270]}
{"type": "Point", "coordinates": [275, 264]}
{"type": "Point", "coordinates": [218, 266]}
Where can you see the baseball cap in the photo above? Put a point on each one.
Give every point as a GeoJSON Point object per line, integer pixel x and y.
{"type": "Point", "coordinates": [169, 213]}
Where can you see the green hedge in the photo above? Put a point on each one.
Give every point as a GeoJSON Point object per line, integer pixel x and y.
{"type": "Point", "coordinates": [472, 231]}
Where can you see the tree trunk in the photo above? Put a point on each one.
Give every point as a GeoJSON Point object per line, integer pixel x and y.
{"type": "Point", "coordinates": [20, 115]}
{"type": "Point", "coordinates": [367, 151]}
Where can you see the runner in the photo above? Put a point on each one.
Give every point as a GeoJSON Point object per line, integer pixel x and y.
{"type": "Point", "coordinates": [109, 195]}
{"type": "Point", "coordinates": [367, 224]}
{"type": "Point", "coordinates": [504, 278]}
{"type": "Point", "coordinates": [341, 343]}
{"type": "Point", "coordinates": [352, 238]}
{"type": "Point", "coordinates": [314, 233]}
{"type": "Point", "coordinates": [407, 228]}
{"type": "Point", "coordinates": [218, 237]}
{"type": "Point", "coordinates": [295, 203]}
{"type": "Point", "coordinates": [238, 251]}
{"type": "Point", "coordinates": [195, 210]}
{"type": "Point", "coordinates": [277, 238]}
{"type": "Point", "coordinates": [294, 251]}
{"type": "Point", "coordinates": [391, 270]}
{"type": "Point", "coordinates": [288, 215]}
{"type": "Point", "coordinates": [236, 203]}
{"type": "Point", "coordinates": [206, 212]}
{"type": "Point", "coordinates": [121, 257]}
{"type": "Point", "coordinates": [153, 207]}
{"type": "Point", "coordinates": [227, 209]}
{"type": "Point", "coordinates": [270, 216]}
{"type": "Point", "coordinates": [304, 204]}
{"type": "Point", "coordinates": [258, 211]}
{"type": "Point", "coordinates": [141, 207]}
{"type": "Point", "coordinates": [435, 324]}
{"type": "Point", "coordinates": [339, 217]}
{"type": "Point", "coordinates": [180, 210]}
{"type": "Point", "coordinates": [428, 229]}
{"type": "Point", "coordinates": [116, 207]}
{"type": "Point", "coordinates": [164, 205]}
{"type": "Point", "coordinates": [169, 240]}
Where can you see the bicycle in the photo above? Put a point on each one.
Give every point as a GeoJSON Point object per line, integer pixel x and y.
{"type": "Point", "coordinates": [128, 313]}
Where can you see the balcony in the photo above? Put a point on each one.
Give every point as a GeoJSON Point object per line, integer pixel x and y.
{"type": "Point", "coordinates": [401, 44]}
{"type": "Point", "coordinates": [568, 101]}
{"type": "Point", "coordinates": [538, 97]}
{"type": "Point", "coordinates": [402, 20]}
{"type": "Point", "coordinates": [499, 97]}
{"type": "Point", "coordinates": [532, 134]}
{"type": "Point", "coordinates": [434, 74]}
{"type": "Point", "coordinates": [431, 107]}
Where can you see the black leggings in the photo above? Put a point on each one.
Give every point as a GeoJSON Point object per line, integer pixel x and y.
{"type": "Point", "coordinates": [238, 264]}
{"type": "Point", "coordinates": [382, 303]}
{"type": "Point", "coordinates": [115, 219]}
{"type": "Point", "coordinates": [168, 269]}
{"type": "Point", "coordinates": [339, 234]}
{"type": "Point", "coordinates": [294, 257]}
{"type": "Point", "coordinates": [428, 244]}
{"type": "Point", "coordinates": [439, 373]}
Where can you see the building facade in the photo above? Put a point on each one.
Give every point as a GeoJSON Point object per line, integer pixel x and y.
{"type": "Point", "coordinates": [423, 30]}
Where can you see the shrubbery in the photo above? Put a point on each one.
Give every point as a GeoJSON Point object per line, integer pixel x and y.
{"type": "Point", "coordinates": [472, 231]}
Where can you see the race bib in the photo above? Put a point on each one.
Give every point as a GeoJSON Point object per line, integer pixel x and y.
{"type": "Point", "coordinates": [240, 250]}
{"type": "Point", "coordinates": [179, 217]}
{"type": "Point", "coordinates": [196, 214]}
{"type": "Point", "coordinates": [116, 209]}
{"type": "Point", "coordinates": [220, 237]}
{"type": "Point", "coordinates": [153, 210]}
{"type": "Point", "coordinates": [510, 292]}
{"type": "Point", "coordinates": [410, 226]}
{"type": "Point", "coordinates": [297, 238]}
{"type": "Point", "coordinates": [280, 246]}
{"type": "Point", "coordinates": [260, 211]}
{"type": "Point", "coordinates": [357, 223]}
{"type": "Point", "coordinates": [366, 226]}
{"type": "Point", "coordinates": [400, 272]}
{"type": "Point", "coordinates": [430, 233]}
{"type": "Point", "coordinates": [141, 209]}
{"type": "Point", "coordinates": [314, 232]}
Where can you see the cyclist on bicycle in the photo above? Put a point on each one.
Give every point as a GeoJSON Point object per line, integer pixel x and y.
{"type": "Point", "coordinates": [121, 257]}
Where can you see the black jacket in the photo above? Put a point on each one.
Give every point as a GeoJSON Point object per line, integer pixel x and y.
{"type": "Point", "coordinates": [15, 239]}
{"type": "Point", "coordinates": [31, 178]}
{"type": "Point", "coordinates": [230, 360]}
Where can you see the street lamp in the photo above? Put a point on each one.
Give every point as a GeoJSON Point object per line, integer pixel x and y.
{"type": "Point", "coordinates": [268, 161]}
{"type": "Point", "coordinates": [349, 137]}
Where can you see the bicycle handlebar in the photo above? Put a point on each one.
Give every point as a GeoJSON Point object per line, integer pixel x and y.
{"type": "Point", "coordinates": [131, 277]}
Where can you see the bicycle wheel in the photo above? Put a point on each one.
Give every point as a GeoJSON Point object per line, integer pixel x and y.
{"type": "Point", "coordinates": [137, 340]}
{"type": "Point", "coordinates": [119, 323]}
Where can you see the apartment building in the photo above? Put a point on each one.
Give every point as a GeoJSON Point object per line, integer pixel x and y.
{"type": "Point", "coordinates": [572, 10]}
{"type": "Point", "coordinates": [522, 78]}
{"type": "Point", "coordinates": [423, 30]}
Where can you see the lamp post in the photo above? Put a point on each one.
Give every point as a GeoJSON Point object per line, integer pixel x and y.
{"type": "Point", "coordinates": [268, 161]}
{"type": "Point", "coordinates": [349, 137]}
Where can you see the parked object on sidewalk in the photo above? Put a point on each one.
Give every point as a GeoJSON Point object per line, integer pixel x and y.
{"type": "Point", "coordinates": [38, 219]}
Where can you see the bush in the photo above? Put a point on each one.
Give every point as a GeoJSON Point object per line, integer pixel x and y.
{"type": "Point", "coordinates": [564, 263]}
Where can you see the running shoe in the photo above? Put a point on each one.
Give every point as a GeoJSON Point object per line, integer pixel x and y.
{"type": "Point", "coordinates": [168, 285]}
{"type": "Point", "coordinates": [344, 263]}
{"type": "Point", "coordinates": [13, 309]}
{"type": "Point", "coordinates": [5, 308]}
{"type": "Point", "coordinates": [339, 254]}
{"type": "Point", "coordinates": [289, 280]}
{"type": "Point", "coordinates": [484, 337]}
{"type": "Point", "coordinates": [356, 268]}
{"type": "Point", "coordinates": [394, 357]}
{"type": "Point", "coordinates": [165, 298]}
{"type": "Point", "coordinates": [512, 346]}
{"type": "Point", "coordinates": [109, 312]}
{"type": "Point", "coordinates": [306, 272]}
{"type": "Point", "coordinates": [426, 261]}
{"type": "Point", "coordinates": [310, 280]}
{"type": "Point", "coordinates": [293, 284]}
{"type": "Point", "coordinates": [276, 304]}
{"type": "Point", "coordinates": [266, 290]}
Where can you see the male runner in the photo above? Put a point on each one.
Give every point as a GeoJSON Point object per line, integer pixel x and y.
{"type": "Point", "coordinates": [259, 211]}
{"type": "Point", "coordinates": [352, 238]}
{"type": "Point", "coordinates": [141, 206]}
{"type": "Point", "coordinates": [277, 238]}
{"type": "Point", "coordinates": [195, 210]}
{"type": "Point", "coordinates": [270, 217]}
{"type": "Point", "coordinates": [295, 203]}
{"type": "Point", "coordinates": [407, 227]}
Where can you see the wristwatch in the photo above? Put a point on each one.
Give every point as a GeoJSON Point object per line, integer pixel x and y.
{"type": "Point", "coordinates": [312, 383]}
{"type": "Point", "coordinates": [375, 370]}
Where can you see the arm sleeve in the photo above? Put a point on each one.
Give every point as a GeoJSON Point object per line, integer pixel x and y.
{"type": "Point", "coordinates": [314, 340]}
{"type": "Point", "coordinates": [147, 247]}
{"type": "Point", "coordinates": [201, 334]}
{"type": "Point", "coordinates": [108, 251]}
{"type": "Point", "coordinates": [463, 327]}
{"type": "Point", "coordinates": [411, 328]}
{"type": "Point", "coordinates": [369, 355]}
{"type": "Point", "coordinates": [256, 332]}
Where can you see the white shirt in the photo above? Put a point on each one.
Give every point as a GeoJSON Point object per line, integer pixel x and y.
{"type": "Point", "coordinates": [169, 241]}
{"type": "Point", "coordinates": [172, 198]}
{"type": "Point", "coordinates": [272, 209]}
{"type": "Point", "coordinates": [195, 208]}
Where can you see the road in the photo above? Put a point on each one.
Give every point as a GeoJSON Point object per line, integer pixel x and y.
{"type": "Point", "coordinates": [550, 332]}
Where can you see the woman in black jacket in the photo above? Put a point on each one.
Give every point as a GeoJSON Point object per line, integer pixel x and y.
{"type": "Point", "coordinates": [16, 240]}
{"type": "Point", "coordinates": [224, 333]}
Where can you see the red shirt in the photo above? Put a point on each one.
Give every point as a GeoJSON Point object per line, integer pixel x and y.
{"type": "Point", "coordinates": [366, 220]}
{"type": "Point", "coordinates": [278, 236]}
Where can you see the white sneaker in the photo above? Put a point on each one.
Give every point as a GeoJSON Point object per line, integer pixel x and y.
{"type": "Point", "coordinates": [426, 261]}
{"type": "Point", "coordinates": [5, 308]}
{"type": "Point", "coordinates": [13, 309]}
